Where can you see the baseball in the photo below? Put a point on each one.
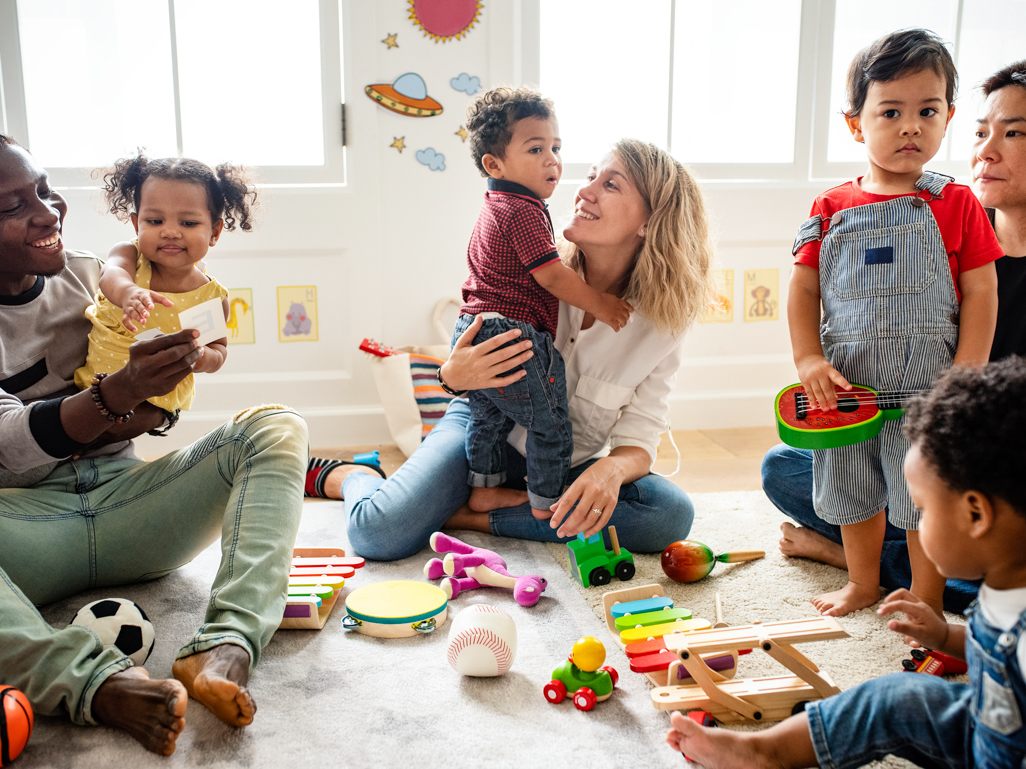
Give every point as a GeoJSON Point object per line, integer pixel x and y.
{"type": "Point", "coordinates": [482, 641]}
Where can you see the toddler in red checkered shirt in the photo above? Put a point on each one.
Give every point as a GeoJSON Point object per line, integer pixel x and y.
{"type": "Point", "coordinates": [517, 281]}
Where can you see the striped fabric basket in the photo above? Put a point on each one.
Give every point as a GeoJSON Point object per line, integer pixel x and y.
{"type": "Point", "coordinates": [432, 400]}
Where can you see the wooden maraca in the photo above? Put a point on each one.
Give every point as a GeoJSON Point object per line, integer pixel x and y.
{"type": "Point", "coordinates": [689, 561]}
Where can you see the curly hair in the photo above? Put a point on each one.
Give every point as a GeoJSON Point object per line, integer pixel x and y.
{"type": "Point", "coordinates": [971, 429]}
{"type": "Point", "coordinates": [669, 280]}
{"type": "Point", "coordinates": [491, 118]}
{"type": "Point", "coordinates": [900, 53]}
{"type": "Point", "coordinates": [229, 194]}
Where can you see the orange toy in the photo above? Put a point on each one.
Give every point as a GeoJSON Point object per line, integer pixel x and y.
{"type": "Point", "coordinates": [15, 723]}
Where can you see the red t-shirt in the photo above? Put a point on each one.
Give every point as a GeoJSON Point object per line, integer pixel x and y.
{"type": "Point", "coordinates": [964, 227]}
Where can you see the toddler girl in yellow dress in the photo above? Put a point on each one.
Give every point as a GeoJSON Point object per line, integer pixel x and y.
{"type": "Point", "coordinates": [179, 208]}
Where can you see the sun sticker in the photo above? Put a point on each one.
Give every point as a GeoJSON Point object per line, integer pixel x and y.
{"type": "Point", "coordinates": [443, 20]}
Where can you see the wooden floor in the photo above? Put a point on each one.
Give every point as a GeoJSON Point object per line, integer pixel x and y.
{"type": "Point", "coordinates": [711, 460]}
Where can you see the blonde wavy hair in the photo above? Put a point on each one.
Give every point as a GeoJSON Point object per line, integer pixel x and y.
{"type": "Point", "coordinates": [669, 279]}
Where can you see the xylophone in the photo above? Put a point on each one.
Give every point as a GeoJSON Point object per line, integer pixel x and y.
{"type": "Point", "coordinates": [316, 577]}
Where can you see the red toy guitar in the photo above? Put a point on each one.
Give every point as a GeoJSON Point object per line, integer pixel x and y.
{"type": "Point", "coordinates": [376, 348]}
{"type": "Point", "coordinates": [859, 416]}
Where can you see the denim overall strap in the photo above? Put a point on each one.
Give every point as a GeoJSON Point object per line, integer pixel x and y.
{"type": "Point", "coordinates": [999, 692]}
{"type": "Point", "coordinates": [889, 322]}
{"type": "Point", "coordinates": [933, 182]}
{"type": "Point", "coordinates": [811, 230]}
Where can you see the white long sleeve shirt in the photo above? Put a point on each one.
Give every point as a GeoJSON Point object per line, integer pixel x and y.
{"type": "Point", "coordinates": [618, 384]}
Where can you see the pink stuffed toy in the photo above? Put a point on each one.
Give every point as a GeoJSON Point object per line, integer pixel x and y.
{"type": "Point", "coordinates": [472, 567]}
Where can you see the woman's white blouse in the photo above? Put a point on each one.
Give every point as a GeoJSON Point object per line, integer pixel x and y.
{"type": "Point", "coordinates": [618, 383]}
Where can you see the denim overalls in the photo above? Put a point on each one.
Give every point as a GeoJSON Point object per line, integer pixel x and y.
{"type": "Point", "coordinates": [930, 721]}
{"type": "Point", "coordinates": [890, 322]}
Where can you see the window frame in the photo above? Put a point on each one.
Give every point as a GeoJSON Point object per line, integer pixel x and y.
{"type": "Point", "coordinates": [333, 172]}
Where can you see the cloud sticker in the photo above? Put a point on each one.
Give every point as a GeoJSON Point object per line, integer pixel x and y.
{"type": "Point", "coordinates": [433, 160]}
{"type": "Point", "coordinates": [466, 83]}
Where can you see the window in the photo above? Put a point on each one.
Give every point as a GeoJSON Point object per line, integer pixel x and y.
{"type": "Point", "coordinates": [219, 80]}
{"type": "Point", "coordinates": [745, 89]}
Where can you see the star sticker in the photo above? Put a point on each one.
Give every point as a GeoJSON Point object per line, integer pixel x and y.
{"type": "Point", "coordinates": [399, 144]}
{"type": "Point", "coordinates": [462, 133]}
{"type": "Point", "coordinates": [390, 41]}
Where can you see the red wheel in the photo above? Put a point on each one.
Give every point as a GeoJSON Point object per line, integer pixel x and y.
{"type": "Point", "coordinates": [585, 699]}
{"type": "Point", "coordinates": [554, 691]}
{"type": "Point", "coordinates": [612, 673]}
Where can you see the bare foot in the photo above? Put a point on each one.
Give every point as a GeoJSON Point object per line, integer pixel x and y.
{"type": "Point", "coordinates": [714, 748]}
{"type": "Point", "coordinates": [151, 711]}
{"type": "Point", "coordinates": [849, 598]}
{"type": "Point", "coordinates": [333, 483]}
{"type": "Point", "coordinates": [800, 542]}
{"type": "Point", "coordinates": [217, 678]}
{"type": "Point", "coordinates": [484, 500]}
{"type": "Point", "coordinates": [541, 515]}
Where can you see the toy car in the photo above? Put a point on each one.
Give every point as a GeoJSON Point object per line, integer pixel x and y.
{"type": "Point", "coordinates": [591, 564]}
{"type": "Point", "coordinates": [581, 676]}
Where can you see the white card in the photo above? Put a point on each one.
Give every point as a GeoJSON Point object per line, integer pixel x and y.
{"type": "Point", "coordinates": [206, 317]}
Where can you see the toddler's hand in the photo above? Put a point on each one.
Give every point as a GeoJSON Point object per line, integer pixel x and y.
{"type": "Point", "coordinates": [819, 379]}
{"type": "Point", "coordinates": [614, 311]}
{"type": "Point", "coordinates": [137, 304]}
{"type": "Point", "coordinates": [922, 626]}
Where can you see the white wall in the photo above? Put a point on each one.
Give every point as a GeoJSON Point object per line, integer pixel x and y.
{"type": "Point", "coordinates": [386, 247]}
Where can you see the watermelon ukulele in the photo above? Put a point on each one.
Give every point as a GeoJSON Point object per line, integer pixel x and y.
{"type": "Point", "coordinates": [860, 415]}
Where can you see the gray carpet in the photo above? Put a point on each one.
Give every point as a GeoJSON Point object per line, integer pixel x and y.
{"type": "Point", "coordinates": [331, 697]}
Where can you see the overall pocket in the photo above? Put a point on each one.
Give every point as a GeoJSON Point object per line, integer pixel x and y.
{"type": "Point", "coordinates": [878, 262]}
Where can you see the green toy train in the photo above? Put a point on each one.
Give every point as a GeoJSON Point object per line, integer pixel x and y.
{"type": "Point", "coordinates": [593, 565]}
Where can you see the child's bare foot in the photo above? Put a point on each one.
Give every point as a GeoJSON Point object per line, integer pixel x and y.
{"type": "Point", "coordinates": [151, 711]}
{"type": "Point", "coordinates": [714, 748]}
{"type": "Point", "coordinates": [800, 542]}
{"type": "Point", "coordinates": [484, 500]}
{"type": "Point", "coordinates": [849, 598]}
{"type": "Point", "coordinates": [217, 678]}
{"type": "Point", "coordinates": [541, 515]}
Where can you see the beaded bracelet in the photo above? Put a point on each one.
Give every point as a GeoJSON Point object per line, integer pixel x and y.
{"type": "Point", "coordinates": [102, 407]}
{"type": "Point", "coordinates": [444, 386]}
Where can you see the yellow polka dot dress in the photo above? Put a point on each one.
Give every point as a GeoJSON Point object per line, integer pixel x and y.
{"type": "Point", "coordinates": [109, 340]}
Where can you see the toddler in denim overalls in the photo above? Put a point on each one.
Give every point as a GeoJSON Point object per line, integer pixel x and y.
{"type": "Point", "coordinates": [968, 437]}
{"type": "Point", "coordinates": [882, 254]}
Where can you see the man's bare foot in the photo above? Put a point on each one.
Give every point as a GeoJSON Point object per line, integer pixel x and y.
{"type": "Point", "coordinates": [714, 748]}
{"type": "Point", "coordinates": [333, 483]}
{"type": "Point", "coordinates": [849, 598]}
{"type": "Point", "coordinates": [800, 542]}
{"type": "Point", "coordinates": [484, 500]}
{"type": "Point", "coordinates": [217, 677]}
{"type": "Point", "coordinates": [151, 711]}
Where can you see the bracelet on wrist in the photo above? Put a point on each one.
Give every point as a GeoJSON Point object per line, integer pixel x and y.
{"type": "Point", "coordinates": [444, 386]}
{"type": "Point", "coordinates": [102, 407]}
{"type": "Point", "coordinates": [170, 420]}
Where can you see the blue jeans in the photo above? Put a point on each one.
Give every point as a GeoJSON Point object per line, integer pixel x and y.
{"type": "Point", "coordinates": [391, 519]}
{"type": "Point", "coordinates": [99, 522]}
{"type": "Point", "coordinates": [787, 481]}
{"type": "Point", "coordinates": [918, 717]}
{"type": "Point", "coordinates": [536, 402]}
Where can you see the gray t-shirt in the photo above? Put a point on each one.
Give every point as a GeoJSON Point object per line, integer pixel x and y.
{"type": "Point", "coordinates": [43, 340]}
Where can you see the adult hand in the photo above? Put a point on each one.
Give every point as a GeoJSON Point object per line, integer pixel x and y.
{"type": "Point", "coordinates": [922, 626]}
{"type": "Point", "coordinates": [596, 489]}
{"type": "Point", "coordinates": [478, 366]}
{"type": "Point", "coordinates": [155, 367]}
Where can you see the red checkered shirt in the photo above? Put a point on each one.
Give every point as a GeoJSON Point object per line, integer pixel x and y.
{"type": "Point", "coordinates": [513, 237]}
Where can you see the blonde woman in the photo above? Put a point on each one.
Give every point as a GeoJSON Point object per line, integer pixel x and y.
{"type": "Point", "coordinates": [639, 230]}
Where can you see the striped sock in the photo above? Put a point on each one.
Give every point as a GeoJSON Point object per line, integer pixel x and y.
{"type": "Point", "coordinates": [317, 471]}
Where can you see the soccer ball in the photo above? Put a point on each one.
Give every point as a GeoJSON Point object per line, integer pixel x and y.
{"type": "Point", "coordinates": [121, 623]}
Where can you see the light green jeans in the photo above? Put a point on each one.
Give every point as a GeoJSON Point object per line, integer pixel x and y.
{"type": "Point", "coordinates": [98, 522]}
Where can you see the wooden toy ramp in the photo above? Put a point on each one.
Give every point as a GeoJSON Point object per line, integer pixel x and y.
{"type": "Point", "coordinates": [771, 698]}
{"type": "Point", "coordinates": [649, 641]}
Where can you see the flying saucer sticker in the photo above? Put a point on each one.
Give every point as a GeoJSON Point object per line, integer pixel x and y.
{"type": "Point", "coordinates": [464, 83]}
{"type": "Point", "coordinates": [762, 301]}
{"type": "Point", "coordinates": [240, 316]}
{"type": "Point", "coordinates": [433, 160]}
{"type": "Point", "coordinates": [444, 20]}
{"type": "Point", "coordinates": [297, 313]}
{"type": "Point", "coordinates": [721, 301]}
{"type": "Point", "coordinates": [407, 96]}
